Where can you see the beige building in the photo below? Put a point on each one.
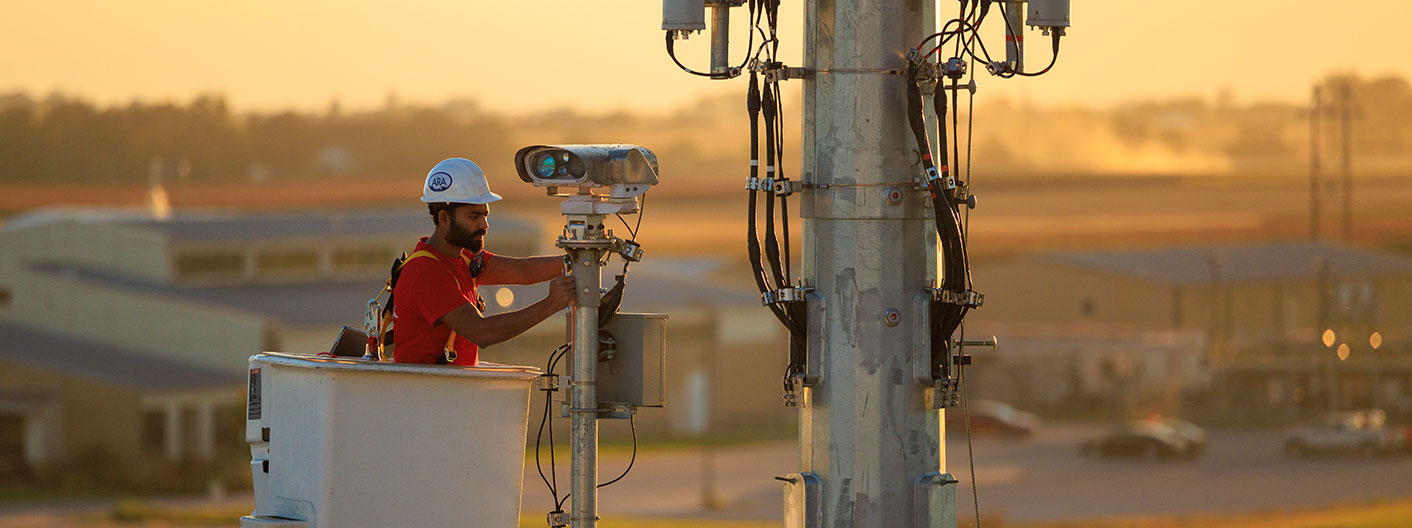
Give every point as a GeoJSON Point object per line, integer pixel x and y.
{"type": "Point", "coordinates": [192, 296]}
{"type": "Point", "coordinates": [1262, 311]}
{"type": "Point", "coordinates": [64, 399]}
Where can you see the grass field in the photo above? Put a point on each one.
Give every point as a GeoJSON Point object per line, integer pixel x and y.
{"type": "Point", "coordinates": [1386, 514]}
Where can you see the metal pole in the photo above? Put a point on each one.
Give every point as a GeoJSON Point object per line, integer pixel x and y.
{"type": "Point", "coordinates": [1314, 190]}
{"type": "Point", "coordinates": [1015, 34]}
{"type": "Point", "coordinates": [1321, 265]}
{"type": "Point", "coordinates": [1346, 114]}
{"type": "Point", "coordinates": [583, 410]}
{"type": "Point", "coordinates": [720, 37]}
{"type": "Point", "coordinates": [867, 430]}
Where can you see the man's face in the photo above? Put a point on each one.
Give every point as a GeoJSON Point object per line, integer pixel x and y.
{"type": "Point", "coordinates": [468, 227]}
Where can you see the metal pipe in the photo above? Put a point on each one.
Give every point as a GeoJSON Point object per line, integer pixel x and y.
{"type": "Point", "coordinates": [583, 408]}
{"type": "Point", "coordinates": [720, 37]}
{"type": "Point", "coordinates": [1015, 34]}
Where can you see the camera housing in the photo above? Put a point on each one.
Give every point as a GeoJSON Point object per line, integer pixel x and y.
{"type": "Point", "coordinates": [626, 170]}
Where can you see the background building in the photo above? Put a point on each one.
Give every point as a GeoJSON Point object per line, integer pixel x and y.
{"type": "Point", "coordinates": [148, 323]}
{"type": "Point", "coordinates": [1262, 311]}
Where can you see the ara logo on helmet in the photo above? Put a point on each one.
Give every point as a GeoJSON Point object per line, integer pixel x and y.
{"type": "Point", "coordinates": [439, 182]}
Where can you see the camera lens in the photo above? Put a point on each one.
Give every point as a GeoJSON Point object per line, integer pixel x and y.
{"type": "Point", "coordinates": [546, 165]}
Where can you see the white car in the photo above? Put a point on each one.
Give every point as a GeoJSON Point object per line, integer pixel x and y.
{"type": "Point", "coordinates": [1358, 432]}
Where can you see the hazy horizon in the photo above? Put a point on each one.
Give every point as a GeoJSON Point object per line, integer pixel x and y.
{"type": "Point", "coordinates": [267, 56]}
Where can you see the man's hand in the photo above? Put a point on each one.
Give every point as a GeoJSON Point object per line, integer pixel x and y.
{"type": "Point", "coordinates": [561, 291]}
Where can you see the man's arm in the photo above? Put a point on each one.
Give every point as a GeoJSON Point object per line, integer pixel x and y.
{"type": "Point", "coordinates": [485, 331]}
{"type": "Point", "coordinates": [522, 270]}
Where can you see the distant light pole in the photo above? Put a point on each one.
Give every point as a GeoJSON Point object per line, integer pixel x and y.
{"type": "Point", "coordinates": [1346, 116]}
{"type": "Point", "coordinates": [1314, 191]}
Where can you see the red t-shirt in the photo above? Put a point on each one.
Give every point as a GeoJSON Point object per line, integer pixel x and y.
{"type": "Point", "coordinates": [427, 289]}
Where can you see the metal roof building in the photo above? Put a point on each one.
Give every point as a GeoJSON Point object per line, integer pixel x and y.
{"type": "Point", "coordinates": [1275, 317]}
{"type": "Point", "coordinates": [1282, 261]}
{"type": "Point", "coordinates": [154, 319]}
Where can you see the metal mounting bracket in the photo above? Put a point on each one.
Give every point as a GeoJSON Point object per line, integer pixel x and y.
{"type": "Point", "coordinates": [803, 503]}
{"type": "Point", "coordinates": [605, 410]}
{"type": "Point", "coordinates": [935, 501]}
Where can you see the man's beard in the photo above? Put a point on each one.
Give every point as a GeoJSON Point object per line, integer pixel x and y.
{"type": "Point", "coordinates": [470, 241]}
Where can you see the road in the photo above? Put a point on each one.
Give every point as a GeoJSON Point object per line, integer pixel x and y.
{"type": "Point", "coordinates": [1039, 479]}
{"type": "Point", "coordinates": [1042, 478]}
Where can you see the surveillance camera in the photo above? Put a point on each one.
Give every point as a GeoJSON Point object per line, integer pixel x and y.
{"type": "Point", "coordinates": [628, 170]}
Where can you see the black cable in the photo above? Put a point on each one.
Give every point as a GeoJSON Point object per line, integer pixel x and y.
{"type": "Point", "coordinates": [1054, 34]}
{"type": "Point", "coordinates": [775, 276]}
{"type": "Point", "coordinates": [633, 424]}
{"type": "Point", "coordinates": [946, 34]}
{"type": "Point", "coordinates": [539, 466]}
{"type": "Point", "coordinates": [970, 131]}
{"type": "Point", "coordinates": [955, 133]}
{"type": "Point", "coordinates": [548, 399]}
{"type": "Point", "coordinates": [613, 299]}
{"type": "Point", "coordinates": [779, 175]}
{"type": "Point", "coordinates": [631, 232]}
{"type": "Point", "coordinates": [772, 245]}
{"type": "Point", "coordinates": [672, 52]}
{"type": "Point", "coordinates": [752, 237]}
{"type": "Point", "coordinates": [970, 451]}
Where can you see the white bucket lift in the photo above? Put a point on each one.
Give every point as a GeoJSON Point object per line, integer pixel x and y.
{"type": "Point", "coordinates": [339, 442]}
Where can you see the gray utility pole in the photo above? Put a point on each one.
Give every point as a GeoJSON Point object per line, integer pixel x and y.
{"type": "Point", "coordinates": [868, 430]}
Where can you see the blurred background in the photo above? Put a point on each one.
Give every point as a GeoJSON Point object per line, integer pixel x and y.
{"type": "Point", "coordinates": [1194, 237]}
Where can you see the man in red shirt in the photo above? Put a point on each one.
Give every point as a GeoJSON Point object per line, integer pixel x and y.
{"type": "Point", "coordinates": [437, 314]}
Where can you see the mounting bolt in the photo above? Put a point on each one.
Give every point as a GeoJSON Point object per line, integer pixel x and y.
{"type": "Point", "coordinates": [891, 316]}
{"type": "Point", "coordinates": [893, 195]}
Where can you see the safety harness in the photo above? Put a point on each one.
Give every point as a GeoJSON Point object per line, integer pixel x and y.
{"type": "Point", "coordinates": [381, 335]}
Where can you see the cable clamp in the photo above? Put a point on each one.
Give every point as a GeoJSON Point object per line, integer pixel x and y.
{"type": "Point", "coordinates": [755, 183]}
{"type": "Point", "coordinates": [775, 71]}
{"type": "Point", "coordinates": [631, 251]}
{"type": "Point", "coordinates": [784, 295]}
{"type": "Point", "coordinates": [955, 68]}
{"type": "Point", "coordinates": [960, 193]}
{"type": "Point", "coordinates": [948, 392]}
{"type": "Point", "coordinates": [557, 519]}
{"type": "Point", "coordinates": [794, 392]}
{"type": "Point", "coordinates": [969, 298]}
{"type": "Point", "coordinates": [786, 186]}
{"type": "Point", "coordinates": [936, 180]}
{"type": "Point", "coordinates": [551, 382]}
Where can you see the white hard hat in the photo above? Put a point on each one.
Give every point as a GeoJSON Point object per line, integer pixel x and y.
{"type": "Point", "coordinates": [457, 180]}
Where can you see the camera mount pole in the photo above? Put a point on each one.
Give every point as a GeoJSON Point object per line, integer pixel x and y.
{"type": "Point", "coordinates": [585, 242]}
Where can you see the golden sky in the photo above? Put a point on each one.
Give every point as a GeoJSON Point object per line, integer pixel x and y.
{"type": "Point", "coordinates": [608, 55]}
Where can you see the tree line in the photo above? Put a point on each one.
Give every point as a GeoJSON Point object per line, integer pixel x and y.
{"type": "Point", "coordinates": [60, 139]}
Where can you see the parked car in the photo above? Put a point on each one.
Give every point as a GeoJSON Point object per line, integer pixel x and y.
{"type": "Point", "coordinates": [1360, 432]}
{"type": "Point", "coordinates": [992, 418]}
{"type": "Point", "coordinates": [1148, 439]}
{"type": "Point", "coordinates": [1398, 438]}
{"type": "Point", "coordinates": [1194, 435]}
